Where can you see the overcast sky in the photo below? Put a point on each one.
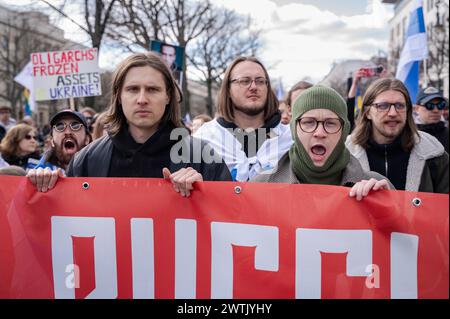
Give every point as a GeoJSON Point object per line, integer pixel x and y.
{"type": "Point", "coordinates": [301, 38]}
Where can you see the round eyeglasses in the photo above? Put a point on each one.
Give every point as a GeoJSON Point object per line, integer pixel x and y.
{"type": "Point", "coordinates": [61, 126]}
{"type": "Point", "coordinates": [310, 124]}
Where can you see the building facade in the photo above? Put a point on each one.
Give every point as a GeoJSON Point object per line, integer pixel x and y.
{"type": "Point", "coordinates": [22, 33]}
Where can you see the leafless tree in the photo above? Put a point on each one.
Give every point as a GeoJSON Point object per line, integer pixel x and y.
{"type": "Point", "coordinates": [97, 15]}
{"type": "Point", "coordinates": [137, 22]}
{"type": "Point", "coordinates": [438, 47]}
{"type": "Point", "coordinates": [19, 40]}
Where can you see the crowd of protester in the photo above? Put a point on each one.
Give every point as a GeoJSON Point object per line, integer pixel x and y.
{"type": "Point", "coordinates": [312, 136]}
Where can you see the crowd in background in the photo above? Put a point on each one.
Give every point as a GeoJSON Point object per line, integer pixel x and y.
{"type": "Point", "coordinates": [319, 139]}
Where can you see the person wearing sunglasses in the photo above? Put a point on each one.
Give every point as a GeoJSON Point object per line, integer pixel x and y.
{"type": "Point", "coordinates": [69, 132]}
{"type": "Point", "coordinates": [430, 108]}
{"type": "Point", "coordinates": [319, 127]}
{"type": "Point", "coordinates": [386, 140]}
{"type": "Point", "coordinates": [19, 146]}
{"type": "Point", "coordinates": [146, 138]}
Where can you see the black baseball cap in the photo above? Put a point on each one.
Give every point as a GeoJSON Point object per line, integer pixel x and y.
{"type": "Point", "coordinates": [69, 112]}
{"type": "Point", "coordinates": [428, 94]}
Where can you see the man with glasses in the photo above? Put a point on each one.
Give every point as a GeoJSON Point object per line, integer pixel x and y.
{"type": "Point", "coordinates": [386, 140]}
{"type": "Point", "coordinates": [429, 108]}
{"type": "Point", "coordinates": [69, 135]}
{"type": "Point", "coordinates": [248, 132]}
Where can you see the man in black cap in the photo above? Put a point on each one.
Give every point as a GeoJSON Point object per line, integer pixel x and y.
{"type": "Point", "coordinates": [69, 135]}
{"type": "Point", "coordinates": [430, 107]}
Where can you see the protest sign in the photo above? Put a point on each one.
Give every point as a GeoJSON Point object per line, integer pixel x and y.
{"type": "Point", "coordinates": [66, 74]}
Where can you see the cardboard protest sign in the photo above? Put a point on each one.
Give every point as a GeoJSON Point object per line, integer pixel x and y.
{"type": "Point", "coordinates": [66, 74]}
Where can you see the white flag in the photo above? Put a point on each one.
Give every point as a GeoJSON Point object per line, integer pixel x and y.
{"type": "Point", "coordinates": [25, 77]}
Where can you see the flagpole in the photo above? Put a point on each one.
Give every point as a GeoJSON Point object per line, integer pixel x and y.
{"type": "Point", "coordinates": [425, 77]}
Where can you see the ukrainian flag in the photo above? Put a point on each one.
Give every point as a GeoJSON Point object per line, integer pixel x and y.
{"type": "Point", "coordinates": [358, 101]}
{"type": "Point", "coordinates": [26, 95]}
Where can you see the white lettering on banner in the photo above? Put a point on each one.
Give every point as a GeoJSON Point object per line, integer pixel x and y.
{"type": "Point", "coordinates": [404, 251]}
{"type": "Point", "coordinates": [223, 236]}
{"type": "Point", "coordinates": [311, 242]}
{"type": "Point", "coordinates": [143, 260]}
{"type": "Point", "coordinates": [104, 233]}
{"type": "Point", "coordinates": [185, 258]}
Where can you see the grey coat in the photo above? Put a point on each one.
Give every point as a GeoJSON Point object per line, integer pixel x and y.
{"type": "Point", "coordinates": [427, 167]}
{"type": "Point", "coordinates": [353, 173]}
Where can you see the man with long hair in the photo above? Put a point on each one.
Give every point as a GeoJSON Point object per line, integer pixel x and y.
{"type": "Point", "coordinates": [386, 140]}
{"type": "Point", "coordinates": [144, 113]}
{"type": "Point", "coordinates": [248, 132]}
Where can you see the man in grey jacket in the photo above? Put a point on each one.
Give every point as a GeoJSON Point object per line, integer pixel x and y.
{"type": "Point", "coordinates": [387, 141]}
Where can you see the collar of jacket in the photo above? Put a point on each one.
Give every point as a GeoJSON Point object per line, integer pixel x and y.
{"type": "Point", "coordinates": [271, 122]}
{"type": "Point", "coordinates": [155, 144]}
{"type": "Point", "coordinates": [432, 128]}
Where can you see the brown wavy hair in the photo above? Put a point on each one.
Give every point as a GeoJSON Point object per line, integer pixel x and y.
{"type": "Point", "coordinates": [363, 128]}
{"type": "Point", "coordinates": [302, 85]}
{"type": "Point", "coordinates": [115, 117]}
{"type": "Point", "coordinates": [10, 143]}
{"type": "Point", "coordinates": [225, 106]}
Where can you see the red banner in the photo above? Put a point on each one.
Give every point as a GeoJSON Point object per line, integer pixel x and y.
{"type": "Point", "coordinates": [138, 238]}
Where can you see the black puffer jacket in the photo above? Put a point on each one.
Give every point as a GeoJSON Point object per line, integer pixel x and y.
{"type": "Point", "coordinates": [438, 130]}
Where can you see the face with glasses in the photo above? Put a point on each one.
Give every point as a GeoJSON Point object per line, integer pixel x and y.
{"type": "Point", "coordinates": [431, 112]}
{"type": "Point", "coordinates": [248, 88]}
{"type": "Point", "coordinates": [388, 114]}
{"type": "Point", "coordinates": [319, 131]}
{"type": "Point", "coordinates": [69, 136]}
{"type": "Point", "coordinates": [28, 144]}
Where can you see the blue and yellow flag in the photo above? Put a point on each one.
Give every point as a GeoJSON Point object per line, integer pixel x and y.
{"type": "Point", "coordinates": [26, 95]}
{"type": "Point", "coordinates": [358, 101]}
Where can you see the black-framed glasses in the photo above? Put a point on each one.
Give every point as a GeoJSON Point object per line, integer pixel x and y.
{"type": "Point", "coordinates": [245, 82]}
{"type": "Point", "coordinates": [386, 106]}
{"type": "Point", "coordinates": [439, 105]}
{"type": "Point", "coordinates": [29, 137]}
{"type": "Point", "coordinates": [61, 126]}
{"type": "Point", "coordinates": [310, 124]}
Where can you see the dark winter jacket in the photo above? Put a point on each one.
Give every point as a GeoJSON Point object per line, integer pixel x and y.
{"type": "Point", "coordinates": [121, 156]}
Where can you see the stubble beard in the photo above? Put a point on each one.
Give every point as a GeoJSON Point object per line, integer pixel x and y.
{"type": "Point", "coordinates": [250, 110]}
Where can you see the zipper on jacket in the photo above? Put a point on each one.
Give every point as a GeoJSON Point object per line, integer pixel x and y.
{"type": "Point", "coordinates": [385, 161]}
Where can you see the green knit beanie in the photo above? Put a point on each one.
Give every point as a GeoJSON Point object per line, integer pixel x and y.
{"type": "Point", "coordinates": [319, 97]}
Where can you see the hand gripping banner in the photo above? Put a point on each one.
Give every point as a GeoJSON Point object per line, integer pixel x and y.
{"type": "Point", "coordinates": [138, 238]}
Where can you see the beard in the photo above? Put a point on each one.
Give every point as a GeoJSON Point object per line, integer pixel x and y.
{"type": "Point", "coordinates": [62, 156]}
{"type": "Point", "coordinates": [250, 110]}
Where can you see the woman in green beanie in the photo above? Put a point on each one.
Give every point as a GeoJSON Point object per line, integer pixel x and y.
{"type": "Point", "coordinates": [319, 127]}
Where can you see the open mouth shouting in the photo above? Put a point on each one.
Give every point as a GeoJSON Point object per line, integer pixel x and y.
{"type": "Point", "coordinates": [317, 153]}
{"type": "Point", "coordinates": [70, 145]}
